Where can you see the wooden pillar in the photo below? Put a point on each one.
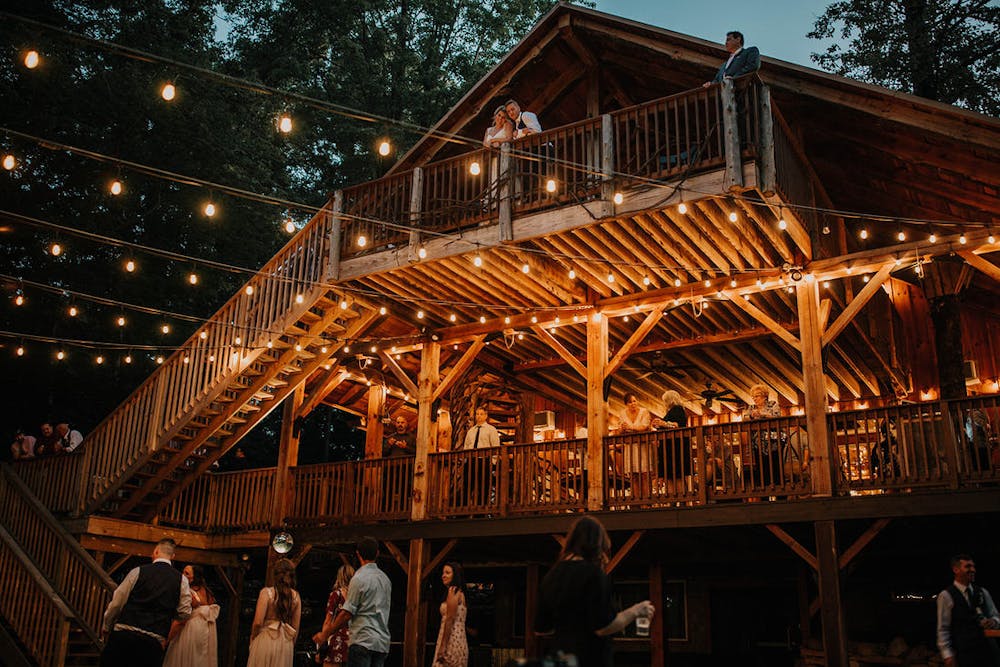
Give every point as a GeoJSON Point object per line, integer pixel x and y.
{"type": "Point", "coordinates": [416, 199]}
{"type": "Point", "coordinates": [831, 610]}
{"type": "Point", "coordinates": [427, 382]}
{"type": "Point", "coordinates": [658, 642]}
{"type": "Point", "coordinates": [607, 166]}
{"type": "Point", "coordinates": [336, 230]}
{"type": "Point", "coordinates": [731, 136]}
{"type": "Point", "coordinates": [597, 409]}
{"type": "Point", "coordinates": [228, 641]}
{"type": "Point", "coordinates": [374, 427]}
{"type": "Point", "coordinates": [531, 583]}
{"type": "Point", "coordinates": [814, 381]}
{"type": "Point", "coordinates": [766, 165]}
{"type": "Point", "coordinates": [946, 317]}
{"type": "Point", "coordinates": [288, 457]}
{"type": "Point", "coordinates": [413, 630]}
{"type": "Point", "coordinates": [504, 214]}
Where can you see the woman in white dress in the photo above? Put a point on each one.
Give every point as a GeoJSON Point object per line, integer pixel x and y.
{"type": "Point", "coordinates": [637, 456]}
{"type": "Point", "coordinates": [276, 621]}
{"type": "Point", "coordinates": [452, 648]}
{"type": "Point", "coordinates": [194, 643]}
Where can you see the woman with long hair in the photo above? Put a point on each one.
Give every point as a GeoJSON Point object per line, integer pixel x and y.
{"type": "Point", "coordinates": [336, 641]}
{"type": "Point", "coordinates": [276, 621]}
{"type": "Point", "coordinates": [575, 614]}
{"type": "Point", "coordinates": [452, 648]}
{"type": "Point", "coordinates": [194, 642]}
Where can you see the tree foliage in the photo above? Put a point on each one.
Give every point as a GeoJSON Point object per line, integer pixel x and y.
{"type": "Point", "coordinates": [945, 50]}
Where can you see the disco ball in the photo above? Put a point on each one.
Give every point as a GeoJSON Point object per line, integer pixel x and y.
{"type": "Point", "coordinates": [282, 542]}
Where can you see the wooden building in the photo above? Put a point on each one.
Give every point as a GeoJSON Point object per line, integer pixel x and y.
{"type": "Point", "coordinates": [827, 238]}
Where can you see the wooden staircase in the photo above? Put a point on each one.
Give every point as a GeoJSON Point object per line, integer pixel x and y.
{"type": "Point", "coordinates": [283, 324]}
{"type": "Point", "coordinates": [53, 594]}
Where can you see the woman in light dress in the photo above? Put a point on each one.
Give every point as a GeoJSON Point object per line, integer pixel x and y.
{"type": "Point", "coordinates": [452, 649]}
{"type": "Point", "coordinates": [501, 131]}
{"type": "Point", "coordinates": [276, 621]}
{"type": "Point", "coordinates": [637, 459]}
{"type": "Point", "coordinates": [194, 642]}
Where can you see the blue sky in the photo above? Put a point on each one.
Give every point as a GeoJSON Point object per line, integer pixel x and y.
{"type": "Point", "coordinates": [777, 27]}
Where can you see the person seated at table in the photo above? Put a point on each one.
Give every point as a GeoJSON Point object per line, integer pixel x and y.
{"type": "Point", "coordinates": [766, 444]}
{"type": "Point", "coordinates": [501, 131]}
{"type": "Point", "coordinates": [672, 465]}
{"type": "Point", "coordinates": [401, 442]}
{"type": "Point", "coordinates": [23, 446]}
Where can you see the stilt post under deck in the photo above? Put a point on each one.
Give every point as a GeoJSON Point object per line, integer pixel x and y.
{"type": "Point", "coordinates": [831, 610]}
{"type": "Point", "coordinates": [811, 335]}
{"type": "Point", "coordinates": [427, 382]}
{"type": "Point", "coordinates": [373, 424]}
{"type": "Point", "coordinates": [597, 411]}
{"type": "Point", "coordinates": [531, 583]}
{"type": "Point", "coordinates": [413, 629]}
{"type": "Point", "coordinates": [288, 457]}
{"type": "Point", "coordinates": [657, 627]}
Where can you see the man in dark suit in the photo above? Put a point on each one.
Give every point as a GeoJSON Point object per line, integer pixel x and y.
{"type": "Point", "coordinates": [741, 60]}
{"type": "Point", "coordinates": [138, 617]}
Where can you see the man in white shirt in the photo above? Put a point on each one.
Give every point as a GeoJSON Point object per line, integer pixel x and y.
{"type": "Point", "coordinates": [525, 122]}
{"type": "Point", "coordinates": [69, 439]}
{"type": "Point", "coordinates": [964, 611]}
{"type": "Point", "coordinates": [741, 61]}
{"type": "Point", "coordinates": [482, 434]}
{"type": "Point", "coordinates": [482, 471]}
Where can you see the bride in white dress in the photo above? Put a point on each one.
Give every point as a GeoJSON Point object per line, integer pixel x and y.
{"type": "Point", "coordinates": [194, 643]}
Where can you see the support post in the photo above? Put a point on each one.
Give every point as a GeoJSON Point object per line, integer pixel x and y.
{"type": "Point", "coordinates": [768, 170]}
{"type": "Point", "coordinates": [531, 583]}
{"type": "Point", "coordinates": [831, 610]}
{"type": "Point", "coordinates": [373, 425]}
{"type": "Point", "coordinates": [427, 382]}
{"type": "Point", "coordinates": [607, 166]}
{"type": "Point", "coordinates": [230, 633]}
{"type": "Point", "coordinates": [597, 410]}
{"type": "Point", "coordinates": [288, 457]}
{"type": "Point", "coordinates": [413, 632]}
{"type": "Point", "coordinates": [336, 230]}
{"type": "Point", "coordinates": [731, 136]}
{"type": "Point", "coordinates": [416, 197]}
{"type": "Point", "coordinates": [504, 212]}
{"type": "Point", "coordinates": [658, 643]}
{"type": "Point", "coordinates": [814, 383]}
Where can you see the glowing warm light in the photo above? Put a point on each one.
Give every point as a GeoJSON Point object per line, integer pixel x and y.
{"type": "Point", "coordinates": [482, 319]}
{"type": "Point", "coordinates": [962, 239]}
{"type": "Point", "coordinates": [347, 348]}
{"type": "Point", "coordinates": [475, 169]}
{"type": "Point", "coordinates": [611, 277]}
{"type": "Point", "coordinates": [193, 278]}
{"type": "Point", "coordinates": [733, 217]}
{"type": "Point", "coordinates": [506, 320]}
{"type": "Point", "coordinates": [130, 265]}
{"type": "Point", "coordinates": [826, 284]}
{"type": "Point", "coordinates": [209, 209]}
{"type": "Point", "coordinates": [572, 274]}
{"type": "Point", "coordinates": [760, 283]}
{"type": "Point", "coordinates": [732, 283]}
{"type": "Point", "coordinates": [867, 278]}
{"type": "Point", "coordinates": [299, 298]}
{"type": "Point", "coordinates": [322, 350]}
{"type": "Point", "coordinates": [525, 268]}
{"type": "Point", "coordinates": [992, 387]}
{"type": "Point", "coordinates": [677, 282]}
{"type": "Point", "coordinates": [168, 92]}
{"type": "Point", "coordinates": [422, 252]}
{"type": "Point", "coordinates": [99, 360]}
{"type": "Point", "coordinates": [121, 321]}
{"type": "Point", "coordinates": [901, 235]}
{"type": "Point", "coordinates": [550, 185]}
{"type": "Point", "coordinates": [708, 283]}
{"type": "Point", "coordinates": [298, 347]}
{"type": "Point", "coordinates": [31, 59]}
{"type": "Point", "coordinates": [285, 124]}
{"type": "Point", "coordinates": [862, 405]}
{"type": "Point", "coordinates": [248, 290]}
{"type": "Point", "coordinates": [237, 341]}
{"type": "Point", "coordinates": [863, 234]}
{"type": "Point", "coordinates": [619, 198]}
{"type": "Point", "coordinates": [9, 162]}
{"type": "Point", "coordinates": [56, 249]}
{"type": "Point", "coordinates": [384, 148]}
{"type": "Point", "coordinates": [452, 317]}
{"type": "Point", "coordinates": [782, 224]}
{"type": "Point", "coordinates": [645, 281]}
{"type": "Point", "coordinates": [343, 304]}
{"type": "Point", "coordinates": [159, 360]}
{"type": "Point", "coordinates": [534, 319]}
{"type": "Point", "coordinates": [60, 355]}
{"type": "Point", "coordinates": [933, 238]}
{"type": "Point", "coordinates": [20, 350]}
{"type": "Point", "coordinates": [477, 261]}
{"type": "Point", "coordinates": [165, 328]}
{"type": "Point", "coordinates": [625, 318]}
{"type": "Point", "coordinates": [420, 314]}
{"type": "Point", "coordinates": [289, 226]}
{"type": "Point", "coordinates": [203, 335]}
{"type": "Point", "coordinates": [73, 312]}
{"type": "Point", "coordinates": [270, 344]}
{"type": "Point", "coordinates": [682, 208]}
{"type": "Point", "coordinates": [116, 187]}
{"type": "Point", "coordinates": [362, 241]}
{"type": "Point", "coordinates": [128, 358]}
{"type": "Point", "coordinates": [383, 310]}
{"type": "Point", "coordinates": [927, 394]}
{"type": "Point", "coordinates": [991, 239]}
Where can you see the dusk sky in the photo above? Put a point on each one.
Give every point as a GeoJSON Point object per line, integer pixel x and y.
{"type": "Point", "coordinates": [777, 27]}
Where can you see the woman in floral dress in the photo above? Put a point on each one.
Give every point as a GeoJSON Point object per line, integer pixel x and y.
{"type": "Point", "coordinates": [452, 649]}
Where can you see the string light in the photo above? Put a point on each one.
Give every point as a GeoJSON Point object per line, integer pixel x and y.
{"type": "Point", "coordinates": [289, 226]}
{"type": "Point", "coordinates": [159, 360]}
{"type": "Point", "coordinates": [826, 228]}
{"type": "Point", "coordinates": [383, 310]}
{"type": "Point", "coordinates": [130, 265]}
{"type": "Point", "coordinates": [20, 350]}
{"type": "Point", "coordinates": [420, 314]}
{"type": "Point", "coordinates": [422, 252]}
{"type": "Point", "coordinates": [384, 148]}
{"type": "Point", "coordinates": [9, 162]}
{"type": "Point", "coordinates": [782, 224]}
{"type": "Point", "coordinates": [864, 233]}
{"type": "Point", "coordinates": [168, 92]}
{"type": "Point", "coordinates": [932, 238]}
{"type": "Point", "coordinates": [708, 283]}
{"type": "Point", "coordinates": [646, 281]}
{"type": "Point", "coordinates": [506, 320]}
{"type": "Point", "coordinates": [73, 312]}
{"type": "Point", "coordinates": [991, 239]}
{"type": "Point", "coordinates": [32, 59]}
{"type": "Point", "coordinates": [474, 168]}
{"type": "Point", "coordinates": [100, 359]}
{"type": "Point", "coordinates": [299, 298]}
{"type": "Point", "coordinates": [682, 208]}
{"type": "Point", "coordinates": [116, 187]}
{"type": "Point", "coordinates": [534, 319]}
{"type": "Point", "coordinates": [56, 249]}
{"type": "Point", "coordinates": [901, 235]}
{"type": "Point", "coordinates": [362, 240]}
{"type": "Point", "coordinates": [732, 283]}
{"type": "Point", "coordinates": [121, 320]}
{"type": "Point", "coordinates": [677, 282]}
{"type": "Point", "coordinates": [209, 210]}
{"type": "Point", "coordinates": [866, 278]}
{"type": "Point", "coordinates": [619, 198]}
{"type": "Point", "coordinates": [343, 304]}
{"type": "Point", "coordinates": [482, 319]}
{"type": "Point", "coordinates": [572, 274]}
{"type": "Point", "coordinates": [525, 268]}
{"type": "Point", "coordinates": [193, 278]}
{"type": "Point", "coordinates": [611, 277]}
{"type": "Point", "coordinates": [203, 335]}
{"type": "Point", "coordinates": [733, 217]}
{"type": "Point", "coordinates": [477, 261]}
{"type": "Point", "coordinates": [285, 124]}
{"type": "Point", "coordinates": [60, 355]}
{"type": "Point", "coordinates": [128, 358]}
{"type": "Point", "coordinates": [452, 317]}
{"type": "Point", "coordinates": [165, 328]}
{"type": "Point", "coordinates": [962, 239]}
{"type": "Point", "coordinates": [550, 185]}
{"type": "Point", "coordinates": [248, 290]}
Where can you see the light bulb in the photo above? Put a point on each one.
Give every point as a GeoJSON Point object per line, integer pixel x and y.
{"type": "Point", "coordinates": [452, 317]}
{"type": "Point", "coordinates": [20, 350]}
{"type": "Point", "coordinates": [187, 359]}
{"type": "Point", "coordinates": [611, 277]}
{"type": "Point", "coordinates": [482, 319]}
{"type": "Point", "coordinates": [384, 148]}
{"type": "Point", "coordinates": [645, 281]}
{"type": "Point", "coordinates": [299, 298]}
{"type": "Point", "coordinates": [343, 304]}
{"type": "Point", "coordinates": [550, 185]}
{"type": "Point", "coordinates": [289, 226]}
{"type": "Point", "coordinates": [826, 284]}
{"type": "Point", "coordinates": [322, 349]}
{"type": "Point", "coordinates": [203, 335]}
{"type": "Point", "coordinates": [901, 235]}
{"type": "Point", "coordinates": [864, 234]}
{"type": "Point", "coordinates": [932, 238]}
{"type": "Point", "coordinates": [60, 355]}
{"type": "Point", "coordinates": [572, 274]}
{"type": "Point", "coordinates": [732, 283]}
{"type": "Point", "coordinates": [383, 310]}
{"type": "Point", "coordinates": [159, 360]}
{"type": "Point", "coordinates": [248, 290]}
{"type": "Point", "coordinates": [867, 278]}
{"type": "Point", "coordinates": [130, 265]}
{"type": "Point", "coordinates": [56, 249]}
{"type": "Point", "coordinates": [477, 261]}
{"type": "Point", "coordinates": [193, 278]}
{"type": "Point", "coordinates": [525, 268]}
{"type": "Point", "coordinates": [782, 224]}
{"type": "Point", "coordinates": [422, 252]}
{"type": "Point", "coordinates": [420, 314]}
{"type": "Point", "coordinates": [534, 319]}
{"type": "Point", "coordinates": [238, 340]}
{"type": "Point", "coordinates": [760, 283]}
{"type": "Point", "coordinates": [677, 282]}
{"type": "Point", "coordinates": [168, 92]}
{"type": "Point", "coordinates": [708, 283]}
{"type": "Point", "coordinates": [31, 59]}
{"type": "Point", "coordinates": [116, 187]}
{"type": "Point", "coordinates": [682, 208]}
{"type": "Point", "coordinates": [209, 209]}
{"type": "Point", "coordinates": [506, 320]}
{"type": "Point", "coordinates": [362, 241]}
{"type": "Point", "coordinates": [73, 311]}
{"type": "Point", "coordinates": [19, 300]}
{"type": "Point", "coordinates": [9, 162]}
{"type": "Point", "coordinates": [475, 169]}
{"type": "Point", "coordinates": [991, 239]}
{"type": "Point", "coordinates": [347, 348]}
{"type": "Point", "coordinates": [128, 358]}
{"type": "Point", "coordinates": [962, 239]}
{"type": "Point", "coordinates": [733, 217]}
{"type": "Point", "coordinates": [619, 198]}
{"type": "Point", "coordinates": [121, 321]}
{"type": "Point", "coordinates": [285, 124]}
{"type": "Point", "coordinates": [165, 328]}
{"type": "Point", "coordinates": [270, 344]}
{"type": "Point", "coordinates": [99, 360]}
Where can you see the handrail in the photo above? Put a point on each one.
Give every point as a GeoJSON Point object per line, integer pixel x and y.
{"type": "Point", "coordinates": [55, 480]}
{"type": "Point", "coordinates": [224, 502]}
{"type": "Point", "coordinates": [203, 366]}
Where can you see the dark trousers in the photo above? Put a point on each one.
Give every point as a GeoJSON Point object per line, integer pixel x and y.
{"type": "Point", "coordinates": [131, 649]}
{"type": "Point", "coordinates": [359, 656]}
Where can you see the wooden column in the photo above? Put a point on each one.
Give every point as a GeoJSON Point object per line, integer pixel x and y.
{"type": "Point", "coordinates": [416, 197]}
{"type": "Point", "coordinates": [231, 625]}
{"type": "Point", "coordinates": [731, 136]}
{"type": "Point", "coordinates": [597, 409]}
{"type": "Point", "coordinates": [814, 382]}
{"type": "Point", "coordinates": [374, 427]}
{"type": "Point", "coordinates": [336, 229]}
{"type": "Point", "coordinates": [831, 611]}
{"type": "Point", "coordinates": [505, 215]}
{"type": "Point", "coordinates": [288, 457]}
{"type": "Point", "coordinates": [767, 168]}
{"type": "Point", "coordinates": [427, 382]}
{"type": "Point", "coordinates": [413, 630]}
{"type": "Point", "coordinates": [658, 643]}
{"type": "Point", "coordinates": [607, 166]}
{"type": "Point", "coordinates": [531, 583]}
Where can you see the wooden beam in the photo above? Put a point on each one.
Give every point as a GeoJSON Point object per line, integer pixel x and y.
{"type": "Point", "coordinates": [301, 554]}
{"type": "Point", "coordinates": [824, 313]}
{"type": "Point", "coordinates": [408, 385]}
{"type": "Point", "coordinates": [374, 429]}
{"type": "Point", "coordinates": [981, 264]}
{"type": "Point", "coordinates": [461, 366]}
{"type": "Point", "coordinates": [397, 555]}
{"type": "Point", "coordinates": [859, 544]}
{"type": "Point", "coordinates": [859, 302]}
{"type": "Point", "coordinates": [564, 354]}
{"type": "Point", "coordinates": [639, 335]}
{"type": "Point", "coordinates": [794, 545]}
{"type": "Point", "coordinates": [439, 558]}
{"type": "Point", "coordinates": [148, 535]}
{"type": "Point", "coordinates": [658, 624]}
{"type": "Point", "coordinates": [413, 630]}
{"type": "Point", "coordinates": [330, 381]}
{"type": "Point", "coordinates": [143, 549]}
{"type": "Point", "coordinates": [814, 381]}
{"type": "Point", "coordinates": [597, 408]}
{"type": "Point", "coordinates": [288, 457]}
{"type": "Point", "coordinates": [831, 608]}
{"type": "Point", "coordinates": [430, 362]}
{"type": "Point", "coordinates": [623, 551]}
{"type": "Point", "coordinates": [531, 586]}
{"type": "Point", "coordinates": [765, 319]}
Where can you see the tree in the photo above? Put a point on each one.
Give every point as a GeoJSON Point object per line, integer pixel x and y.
{"type": "Point", "coordinates": [944, 50]}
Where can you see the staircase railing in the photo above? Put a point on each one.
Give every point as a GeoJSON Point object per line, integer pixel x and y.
{"type": "Point", "coordinates": [224, 502]}
{"type": "Point", "coordinates": [84, 586]}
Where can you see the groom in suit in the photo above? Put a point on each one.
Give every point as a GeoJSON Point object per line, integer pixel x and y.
{"type": "Point", "coordinates": [138, 617]}
{"type": "Point", "coordinates": [741, 60]}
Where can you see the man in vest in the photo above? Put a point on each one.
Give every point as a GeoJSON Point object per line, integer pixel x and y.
{"type": "Point", "coordinates": [138, 617]}
{"type": "Point", "coordinates": [964, 611]}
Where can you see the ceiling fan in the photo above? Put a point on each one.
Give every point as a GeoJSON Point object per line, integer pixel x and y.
{"type": "Point", "coordinates": [658, 365]}
{"type": "Point", "coordinates": [722, 395]}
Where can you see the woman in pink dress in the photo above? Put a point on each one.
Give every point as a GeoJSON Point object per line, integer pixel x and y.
{"type": "Point", "coordinates": [452, 648]}
{"type": "Point", "coordinates": [336, 642]}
